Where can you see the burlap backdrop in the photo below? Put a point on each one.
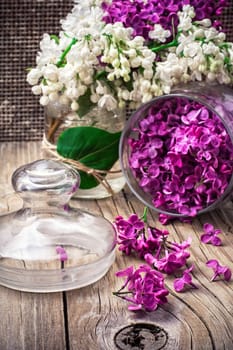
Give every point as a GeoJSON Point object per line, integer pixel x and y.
{"type": "Point", "coordinates": [22, 25]}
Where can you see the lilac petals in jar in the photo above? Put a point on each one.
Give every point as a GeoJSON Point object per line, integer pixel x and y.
{"type": "Point", "coordinates": [177, 150]}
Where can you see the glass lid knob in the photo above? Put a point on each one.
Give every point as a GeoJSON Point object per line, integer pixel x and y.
{"type": "Point", "coordinates": [46, 175]}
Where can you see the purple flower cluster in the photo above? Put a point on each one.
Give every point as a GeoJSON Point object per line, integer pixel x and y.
{"type": "Point", "coordinates": [145, 288]}
{"type": "Point", "coordinates": [132, 236]}
{"type": "Point", "coordinates": [182, 156]}
{"type": "Point", "coordinates": [151, 244]}
{"type": "Point", "coordinates": [142, 15]}
{"type": "Point", "coordinates": [175, 257]}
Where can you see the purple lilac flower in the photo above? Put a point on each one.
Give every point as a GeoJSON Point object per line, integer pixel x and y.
{"type": "Point", "coordinates": [185, 280]}
{"type": "Point", "coordinates": [145, 288]}
{"type": "Point", "coordinates": [151, 244]}
{"type": "Point", "coordinates": [142, 16]}
{"type": "Point", "coordinates": [164, 218]}
{"type": "Point", "coordinates": [219, 270]}
{"type": "Point", "coordinates": [193, 164]}
{"type": "Point", "coordinates": [170, 262]}
{"type": "Point", "coordinates": [135, 236]}
{"type": "Point", "coordinates": [62, 253]}
{"type": "Point", "coordinates": [155, 238]}
{"type": "Point", "coordinates": [128, 232]}
{"type": "Point", "coordinates": [210, 235]}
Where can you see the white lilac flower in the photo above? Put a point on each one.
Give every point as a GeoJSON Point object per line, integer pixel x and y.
{"type": "Point", "coordinates": [198, 33]}
{"type": "Point", "coordinates": [33, 76]}
{"type": "Point", "coordinates": [173, 68]}
{"type": "Point", "coordinates": [184, 40]}
{"type": "Point", "coordinates": [148, 73]}
{"type": "Point", "coordinates": [36, 89]}
{"type": "Point", "coordinates": [64, 100]}
{"type": "Point", "coordinates": [107, 101]}
{"type": "Point", "coordinates": [138, 41]}
{"type": "Point", "coordinates": [192, 49]}
{"type": "Point", "coordinates": [85, 18]}
{"type": "Point", "coordinates": [206, 22]}
{"type": "Point", "coordinates": [50, 51]}
{"type": "Point", "coordinates": [210, 48]}
{"type": "Point", "coordinates": [74, 106]}
{"type": "Point", "coordinates": [46, 89]}
{"type": "Point", "coordinates": [185, 17]}
{"type": "Point", "coordinates": [50, 72]}
{"type": "Point", "coordinates": [159, 33]}
{"type": "Point", "coordinates": [211, 33]}
{"type": "Point", "coordinates": [66, 73]}
{"type": "Point", "coordinates": [53, 96]}
{"type": "Point", "coordinates": [135, 62]}
{"type": "Point", "coordinates": [44, 100]}
{"type": "Point", "coordinates": [142, 89]}
{"type": "Point", "coordinates": [197, 63]}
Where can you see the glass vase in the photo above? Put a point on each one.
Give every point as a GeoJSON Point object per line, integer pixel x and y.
{"type": "Point", "coordinates": [59, 118]}
{"type": "Point", "coordinates": [172, 159]}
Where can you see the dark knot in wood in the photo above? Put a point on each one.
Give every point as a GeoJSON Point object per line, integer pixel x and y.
{"type": "Point", "coordinates": [141, 336]}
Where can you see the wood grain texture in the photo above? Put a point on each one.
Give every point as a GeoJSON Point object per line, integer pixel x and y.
{"type": "Point", "coordinates": [89, 318]}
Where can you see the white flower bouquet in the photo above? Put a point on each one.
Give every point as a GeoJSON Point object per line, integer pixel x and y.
{"type": "Point", "coordinates": [115, 66]}
{"type": "Point", "coordinates": [114, 54]}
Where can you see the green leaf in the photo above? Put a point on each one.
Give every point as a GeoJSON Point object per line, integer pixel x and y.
{"type": "Point", "coordinates": [93, 147]}
{"type": "Point", "coordinates": [85, 104]}
{"type": "Point", "coordinates": [87, 181]}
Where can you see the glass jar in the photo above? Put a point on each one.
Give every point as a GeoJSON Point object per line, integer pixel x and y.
{"type": "Point", "coordinates": [176, 151]}
{"type": "Point", "coordinates": [48, 245]}
{"type": "Point", "coordinates": [59, 118]}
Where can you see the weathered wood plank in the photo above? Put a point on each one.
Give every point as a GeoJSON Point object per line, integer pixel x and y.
{"type": "Point", "coordinates": [31, 321]}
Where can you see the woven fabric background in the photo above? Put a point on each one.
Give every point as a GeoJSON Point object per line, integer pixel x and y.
{"type": "Point", "coordinates": [22, 24]}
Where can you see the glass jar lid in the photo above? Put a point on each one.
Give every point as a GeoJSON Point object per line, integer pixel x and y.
{"type": "Point", "coordinates": [48, 245]}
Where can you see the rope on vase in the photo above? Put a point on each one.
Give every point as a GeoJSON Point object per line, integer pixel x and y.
{"type": "Point", "coordinates": [99, 175]}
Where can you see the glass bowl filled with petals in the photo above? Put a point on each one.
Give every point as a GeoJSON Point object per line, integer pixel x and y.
{"type": "Point", "coordinates": [177, 150]}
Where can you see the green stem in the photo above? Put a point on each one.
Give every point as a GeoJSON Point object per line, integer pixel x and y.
{"type": "Point", "coordinates": [55, 38]}
{"type": "Point", "coordinates": [172, 43]}
{"type": "Point", "coordinates": [224, 46]}
{"type": "Point", "coordinates": [65, 52]}
{"type": "Point", "coordinates": [120, 293]}
{"type": "Point", "coordinates": [144, 215]}
{"type": "Point", "coordinates": [109, 38]}
{"type": "Point", "coordinates": [228, 64]}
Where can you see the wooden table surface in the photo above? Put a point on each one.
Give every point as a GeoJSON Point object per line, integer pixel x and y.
{"type": "Point", "coordinates": [90, 317]}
